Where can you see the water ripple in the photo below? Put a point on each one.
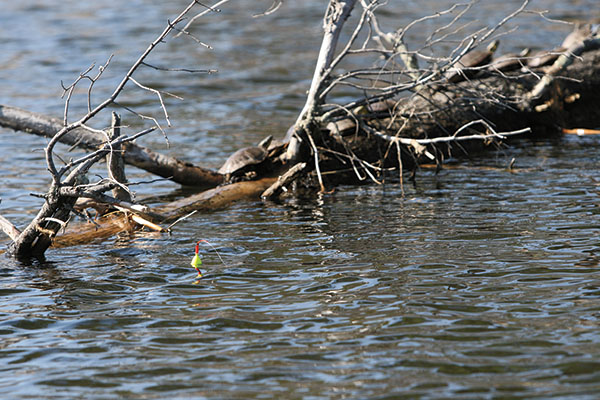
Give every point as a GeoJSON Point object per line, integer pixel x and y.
{"type": "Point", "coordinates": [469, 283]}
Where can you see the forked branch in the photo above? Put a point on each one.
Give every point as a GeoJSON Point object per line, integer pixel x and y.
{"type": "Point", "coordinates": [69, 181]}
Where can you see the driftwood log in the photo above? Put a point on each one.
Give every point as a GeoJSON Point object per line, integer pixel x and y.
{"type": "Point", "coordinates": [165, 214]}
{"type": "Point", "coordinates": [425, 118]}
{"type": "Point", "coordinates": [162, 165]}
{"type": "Point", "coordinates": [570, 101]}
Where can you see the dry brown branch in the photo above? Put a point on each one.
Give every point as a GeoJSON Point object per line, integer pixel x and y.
{"type": "Point", "coordinates": [149, 224]}
{"type": "Point", "coordinates": [214, 198]}
{"type": "Point", "coordinates": [175, 211]}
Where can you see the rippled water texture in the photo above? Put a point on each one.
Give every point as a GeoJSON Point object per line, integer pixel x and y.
{"type": "Point", "coordinates": [478, 283]}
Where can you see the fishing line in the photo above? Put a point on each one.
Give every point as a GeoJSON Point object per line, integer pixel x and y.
{"type": "Point", "coordinates": [197, 261]}
{"type": "Point", "coordinates": [213, 247]}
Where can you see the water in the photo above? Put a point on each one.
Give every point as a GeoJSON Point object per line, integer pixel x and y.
{"type": "Point", "coordinates": [478, 283]}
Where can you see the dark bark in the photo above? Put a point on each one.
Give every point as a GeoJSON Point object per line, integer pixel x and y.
{"type": "Point", "coordinates": [115, 164]}
{"type": "Point", "coordinates": [38, 235]}
{"type": "Point", "coordinates": [571, 101]}
{"type": "Point", "coordinates": [179, 171]}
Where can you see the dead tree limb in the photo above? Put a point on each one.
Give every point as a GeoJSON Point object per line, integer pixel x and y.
{"type": "Point", "coordinates": [58, 203]}
{"type": "Point", "coordinates": [208, 200]}
{"type": "Point", "coordinates": [114, 163]}
{"type": "Point", "coordinates": [9, 229]}
{"type": "Point", "coordinates": [562, 62]}
{"type": "Point", "coordinates": [54, 214]}
{"type": "Point", "coordinates": [335, 17]}
{"type": "Point", "coordinates": [414, 106]}
{"type": "Point", "coordinates": [280, 186]}
{"type": "Point", "coordinates": [415, 109]}
{"type": "Point", "coordinates": [165, 166]}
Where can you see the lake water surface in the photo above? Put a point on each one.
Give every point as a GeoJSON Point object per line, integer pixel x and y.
{"type": "Point", "coordinates": [478, 283]}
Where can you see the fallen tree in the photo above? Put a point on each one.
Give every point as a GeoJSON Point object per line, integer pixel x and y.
{"type": "Point", "coordinates": [162, 165]}
{"type": "Point", "coordinates": [404, 114]}
{"type": "Point", "coordinates": [422, 111]}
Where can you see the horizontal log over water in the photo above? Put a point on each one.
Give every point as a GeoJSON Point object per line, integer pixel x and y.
{"type": "Point", "coordinates": [211, 199]}
{"type": "Point", "coordinates": [168, 167]}
{"type": "Point", "coordinates": [215, 198]}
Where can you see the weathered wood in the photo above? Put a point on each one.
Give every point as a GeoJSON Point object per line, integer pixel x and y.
{"type": "Point", "coordinates": [336, 15]}
{"type": "Point", "coordinates": [38, 235]}
{"type": "Point", "coordinates": [179, 171]}
{"type": "Point", "coordinates": [570, 102]}
{"type": "Point", "coordinates": [114, 162]}
{"type": "Point", "coordinates": [211, 199]}
{"type": "Point", "coordinates": [106, 227]}
{"type": "Point", "coordinates": [7, 227]}
{"type": "Point", "coordinates": [279, 186]}
{"type": "Point", "coordinates": [563, 61]}
{"type": "Point", "coordinates": [61, 197]}
{"type": "Point", "coordinates": [430, 109]}
{"type": "Point", "coordinates": [215, 198]}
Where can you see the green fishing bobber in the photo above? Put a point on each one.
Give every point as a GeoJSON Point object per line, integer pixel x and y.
{"type": "Point", "coordinates": [196, 261]}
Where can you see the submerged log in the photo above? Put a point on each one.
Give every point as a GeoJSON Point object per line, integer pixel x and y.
{"type": "Point", "coordinates": [215, 198]}
{"type": "Point", "coordinates": [211, 199]}
{"type": "Point", "coordinates": [168, 167]}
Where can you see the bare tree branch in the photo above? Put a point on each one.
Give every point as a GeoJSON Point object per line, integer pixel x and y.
{"type": "Point", "coordinates": [9, 229]}
{"type": "Point", "coordinates": [193, 71]}
{"type": "Point", "coordinates": [55, 212]}
{"type": "Point", "coordinates": [337, 13]}
{"type": "Point", "coordinates": [212, 8]}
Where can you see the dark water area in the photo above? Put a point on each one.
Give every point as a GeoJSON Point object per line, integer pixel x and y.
{"type": "Point", "coordinates": [477, 283]}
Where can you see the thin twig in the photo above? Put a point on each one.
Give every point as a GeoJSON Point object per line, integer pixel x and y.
{"type": "Point", "coordinates": [178, 220]}
{"type": "Point", "coordinates": [160, 98]}
{"type": "Point", "coordinates": [212, 8]}
{"type": "Point", "coordinates": [193, 71]}
{"type": "Point", "coordinates": [274, 7]}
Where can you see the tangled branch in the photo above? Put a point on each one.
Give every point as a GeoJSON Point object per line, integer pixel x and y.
{"type": "Point", "coordinates": [69, 181]}
{"type": "Point", "coordinates": [406, 92]}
